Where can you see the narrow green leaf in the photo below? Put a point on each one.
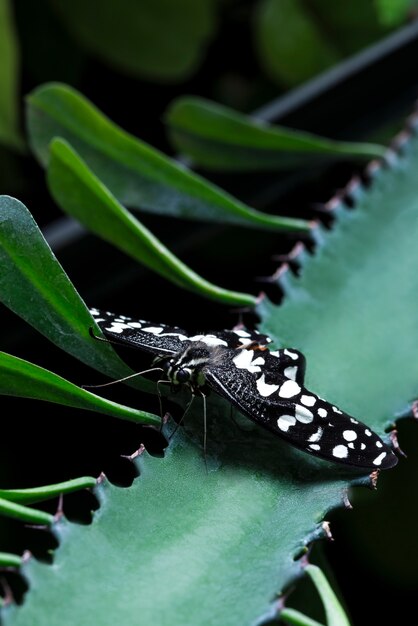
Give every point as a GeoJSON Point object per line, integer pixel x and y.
{"type": "Point", "coordinates": [136, 174]}
{"type": "Point", "coordinates": [24, 379]}
{"type": "Point", "coordinates": [34, 285]}
{"type": "Point", "coordinates": [9, 560]}
{"type": "Point", "coordinates": [24, 513]}
{"type": "Point", "coordinates": [219, 138]}
{"type": "Point", "coordinates": [156, 39]}
{"type": "Point", "coordinates": [46, 492]}
{"type": "Point", "coordinates": [334, 612]}
{"type": "Point", "coordinates": [9, 79]}
{"type": "Point", "coordinates": [291, 616]}
{"type": "Point", "coordinates": [80, 194]}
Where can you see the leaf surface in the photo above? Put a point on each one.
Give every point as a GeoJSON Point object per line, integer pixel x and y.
{"type": "Point", "coordinates": [34, 285]}
{"type": "Point", "coordinates": [219, 138]}
{"type": "Point", "coordinates": [183, 545]}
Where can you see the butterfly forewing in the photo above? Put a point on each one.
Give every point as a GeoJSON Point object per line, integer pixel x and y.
{"type": "Point", "coordinates": [285, 407]}
{"type": "Point", "coordinates": [159, 339]}
{"type": "Point", "coordinates": [163, 339]}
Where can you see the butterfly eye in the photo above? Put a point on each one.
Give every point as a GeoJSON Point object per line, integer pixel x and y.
{"type": "Point", "coordinates": [182, 376]}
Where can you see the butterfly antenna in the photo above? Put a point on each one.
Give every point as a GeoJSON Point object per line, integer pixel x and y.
{"type": "Point", "coordinates": [121, 380]}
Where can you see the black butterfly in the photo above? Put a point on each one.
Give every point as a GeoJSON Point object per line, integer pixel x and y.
{"type": "Point", "coordinates": [266, 386]}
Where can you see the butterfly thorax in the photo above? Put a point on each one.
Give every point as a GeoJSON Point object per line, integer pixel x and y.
{"type": "Point", "coordinates": [188, 366]}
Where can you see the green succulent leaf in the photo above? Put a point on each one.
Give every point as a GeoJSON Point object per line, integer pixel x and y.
{"type": "Point", "coordinates": [215, 546]}
{"type": "Point", "coordinates": [24, 379]}
{"type": "Point", "coordinates": [38, 494]}
{"type": "Point", "coordinates": [81, 194]}
{"type": "Point", "coordinates": [155, 39]}
{"type": "Point", "coordinates": [52, 305]}
{"type": "Point", "coordinates": [9, 76]}
{"type": "Point", "coordinates": [182, 551]}
{"type": "Point", "coordinates": [138, 175]}
{"type": "Point", "coordinates": [218, 138]}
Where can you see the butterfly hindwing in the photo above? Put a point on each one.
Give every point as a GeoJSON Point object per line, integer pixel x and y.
{"type": "Point", "coordinates": [283, 406]}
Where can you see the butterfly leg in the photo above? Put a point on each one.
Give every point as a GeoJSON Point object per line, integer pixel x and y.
{"type": "Point", "coordinates": [186, 410]}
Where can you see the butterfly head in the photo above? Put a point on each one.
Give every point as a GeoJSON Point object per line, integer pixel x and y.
{"type": "Point", "coordinates": [186, 367]}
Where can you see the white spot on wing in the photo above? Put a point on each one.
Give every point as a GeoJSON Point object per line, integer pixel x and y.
{"type": "Point", "coordinates": [117, 327]}
{"type": "Point", "coordinates": [322, 412]}
{"type": "Point", "coordinates": [368, 432]}
{"type": "Point", "coordinates": [155, 330]}
{"type": "Point", "coordinates": [303, 415]}
{"type": "Point", "coordinates": [179, 336]}
{"type": "Point", "coordinates": [291, 354]}
{"type": "Point", "coordinates": [351, 445]}
{"type": "Point", "coordinates": [379, 444]}
{"type": "Point", "coordinates": [350, 435]}
{"type": "Point", "coordinates": [336, 410]}
{"type": "Point", "coordinates": [316, 436]}
{"type": "Point", "coordinates": [308, 400]}
{"type": "Point", "coordinates": [285, 422]}
{"type": "Point", "coordinates": [363, 446]}
{"type": "Point", "coordinates": [289, 389]}
{"type": "Point", "coordinates": [135, 324]}
{"type": "Point", "coordinates": [242, 333]}
{"type": "Point", "coordinates": [379, 458]}
{"type": "Point", "coordinates": [340, 452]}
{"type": "Point", "coordinates": [265, 389]}
{"type": "Point", "coordinates": [209, 340]}
{"type": "Point", "coordinates": [244, 361]}
{"type": "Point", "coordinates": [290, 372]}
{"type": "Point", "coordinates": [315, 446]}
